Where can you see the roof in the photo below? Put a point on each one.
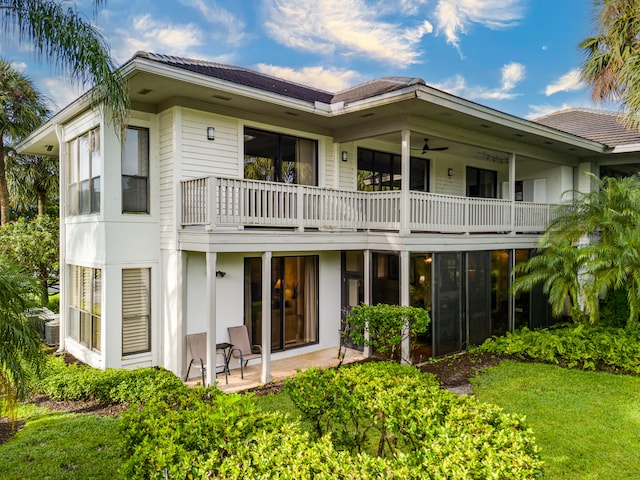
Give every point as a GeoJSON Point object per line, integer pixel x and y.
{"type": "Point", "coordinates": [598, 125]}
{"type": "Point", "coordinates": [252, 78]}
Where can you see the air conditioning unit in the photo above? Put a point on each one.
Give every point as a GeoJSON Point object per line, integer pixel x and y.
{"type": "Point", "coordinates": [52, 332]}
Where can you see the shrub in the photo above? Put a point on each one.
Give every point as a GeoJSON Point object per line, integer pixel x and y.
{"type": "Point", "coordinates": [386, 326]}
{"type": "Point", "coordinates": [614, 310]}
{"type": "Point", "coordinates": [394, 412]}
{"type": "Point", "coordinates": [111, 386]}
{"type": "Point", "coordinates": [582, 346]}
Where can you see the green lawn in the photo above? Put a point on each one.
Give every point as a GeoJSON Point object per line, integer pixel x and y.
{"type": "Point", "coordinates": [586, 424]}
{"type": "Point", "coordinates": [62, 446]}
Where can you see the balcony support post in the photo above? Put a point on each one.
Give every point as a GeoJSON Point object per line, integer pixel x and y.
{"type": "Point", "coordinates": [405, 203]}
{"type": "Point", "coordinates": [512, 190]}
{"type": "Point", "coordinates": [211, 261]}
{"type": "Point", "coordinates": [367, 296]}
{"type": "Point", "coordinates": [265, 374]}
{"type": "Point", "coordinates": [405, 347]}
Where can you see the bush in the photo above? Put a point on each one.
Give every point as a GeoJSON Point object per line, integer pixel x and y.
{"type": "Point", "coordinates": [111, 386]}
{"type": "Point", "coordinates": [430, 433]}
{"type": "Point", "coordinates": [386, 326]}
{"type": "Point", "coordinates": [394, 412]}
{"type": "Point", "coordinates": [582, 346]}
{"type": "Point", "coordinates": [614, 310]}
{"type": "Point", "coordinates": [54, 303]}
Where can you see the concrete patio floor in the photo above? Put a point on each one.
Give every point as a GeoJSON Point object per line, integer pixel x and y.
{"type": "Point", "coordinates": [281, 369]}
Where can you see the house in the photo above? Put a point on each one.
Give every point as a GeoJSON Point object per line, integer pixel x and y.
{"type": "Point", "coordinates": [232, 187]}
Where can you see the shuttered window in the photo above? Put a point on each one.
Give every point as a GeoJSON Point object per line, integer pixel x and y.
{"type": "Point", "coordinates": [136, 310]}
{"type": "Point", "coordinates": [85, 299]}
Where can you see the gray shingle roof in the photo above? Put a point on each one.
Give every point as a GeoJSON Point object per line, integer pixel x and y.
{"type": "Point", "coordinates": [251, 78]}
{"type": "Point", "coordinates": [598, 125]}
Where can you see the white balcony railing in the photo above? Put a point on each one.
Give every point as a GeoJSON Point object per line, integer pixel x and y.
{"type": "Point", "coordinates": [238, 202]}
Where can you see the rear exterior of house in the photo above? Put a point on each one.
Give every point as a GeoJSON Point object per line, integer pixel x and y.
{"type": "Point", "coordinates": [241, 199]}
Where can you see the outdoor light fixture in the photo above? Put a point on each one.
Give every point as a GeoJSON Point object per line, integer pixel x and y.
{"type": "Point", "coordinates": [211, 133]}
{"type": "Point", "coordinates": [344, 156]}
{"type": "Point", "coordinates": [450, 172]}
{"type": "Point", "coordinates": [220, 273]}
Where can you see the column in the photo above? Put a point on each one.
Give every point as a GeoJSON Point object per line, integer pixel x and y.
{"type": "Point", "coordinates": [367, 295]}
{"type": "Point", "coordinates": [265, 375]}
{"type": "Point", "coordinates": [211, 260]}
{"type": "Point", "coordinates": [405, 184]}
{"type": "Point", "coordinates": [405, 347]}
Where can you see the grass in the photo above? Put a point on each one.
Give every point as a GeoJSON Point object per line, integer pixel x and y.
{"type": "Point", "coordinates": [587, 424]}
{"type": "Point", "coordinates": [57, 446]}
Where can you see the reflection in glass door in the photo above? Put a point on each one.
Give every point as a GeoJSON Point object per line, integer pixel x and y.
{"type": "Point", "coordinates": [352, 288]}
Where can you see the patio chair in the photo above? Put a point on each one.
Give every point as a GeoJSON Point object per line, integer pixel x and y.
{"type": "Point", "coordinates": [197, 343]}
{"type": "Point", "coordinates": [242, 349]}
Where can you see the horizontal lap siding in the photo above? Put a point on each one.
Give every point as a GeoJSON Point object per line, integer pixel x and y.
{"type": "Point", "coordinates": [167, 141]}
{"type": "Point", "coordinates": [202, 157]}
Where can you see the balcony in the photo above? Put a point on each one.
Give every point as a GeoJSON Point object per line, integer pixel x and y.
{"type": "Point", "coordinates": [215, 201]}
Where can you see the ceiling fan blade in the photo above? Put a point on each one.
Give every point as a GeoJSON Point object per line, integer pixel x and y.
{"type": "Point", "coordinates": [426, 147]}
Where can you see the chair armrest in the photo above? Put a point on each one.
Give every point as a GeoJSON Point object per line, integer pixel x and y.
{"type": "Point", "coordinates": [236, 353]}
{"type": "Point", "coordinates": [256, 349]}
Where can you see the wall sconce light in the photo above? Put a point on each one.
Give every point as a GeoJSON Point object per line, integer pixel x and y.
{"type": "Point", "coordinates": [220, 273]}
{"type": "Point", "coordinates": [450, 172]}
{"type": "Point", "coordinates": [211, 133]}
{"type": "Point", "coordinates": [344, 156]}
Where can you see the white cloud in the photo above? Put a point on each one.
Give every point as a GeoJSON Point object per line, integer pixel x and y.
{"type": "Point", "coordinates": [346, 27]}
{"type": "Point", "coordinates": [145, 33]}
{"type": "Point", "coordinates": [60, 91]}
{"type": "Point", "coordinates": [512, 74]}
{"type": "Point", "coordinates": [233, 28]}
{"type": "Point", "coordinates": [455, 16]}
{"type": "Point", "coordinates": [19, 66]}
{"type": "Point", "coordinates": [328, 79]}
{"type": "Point", "coordinates": [568, 82]}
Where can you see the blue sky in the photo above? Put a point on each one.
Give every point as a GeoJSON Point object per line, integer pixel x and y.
{"type": "Point", "coordinates": [517, 56]}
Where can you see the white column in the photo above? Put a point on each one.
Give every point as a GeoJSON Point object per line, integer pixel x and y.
{"type": "Point", "coordinates": [265, 375]}
{"type": "Point", "coordinates": [404, 188]}
{"type": "Point", "coordinates": [367, 295]}
{"type": "Point", "coordinates": [211, 259]}
{"type": "Point", "coordinates": [512, 190]}
{"type": "Point", "coordinates": [405, 347]}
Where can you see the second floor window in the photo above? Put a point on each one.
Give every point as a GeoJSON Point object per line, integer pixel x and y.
{"type": "Point", "coordinates": [85, 162]}
{"type": "Point", "coordinates": [482, 183]}
{"type": "Point", "coordinates": [275, 157]}
{"type": "Point", "coordinates": [135, 171]}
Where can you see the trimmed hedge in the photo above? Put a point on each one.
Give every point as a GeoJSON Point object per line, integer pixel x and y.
{"type": "Point", "coordinates": [110, 386]}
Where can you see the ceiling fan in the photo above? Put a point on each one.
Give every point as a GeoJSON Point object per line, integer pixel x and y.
{"type": "Point", "coordinates": [426, 147]}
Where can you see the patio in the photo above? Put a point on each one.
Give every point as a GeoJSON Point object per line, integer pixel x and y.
{"type": "Point", "coordinates": [281, 369]}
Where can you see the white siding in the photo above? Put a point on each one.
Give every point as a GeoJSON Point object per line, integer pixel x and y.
{"type": "Point", "coordinates": [202, 157]}
{"type": "Point", "coordinates": [167, 153]}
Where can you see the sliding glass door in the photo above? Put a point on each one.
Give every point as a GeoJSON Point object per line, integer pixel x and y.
{"type": "Point", "coordinates": [294, 301]}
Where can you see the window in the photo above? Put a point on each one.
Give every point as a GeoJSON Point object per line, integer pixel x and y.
{"type": "Point", "coordinates": [84, 173]}
{"type": "Point", "coordinates": [380, 171]}
{"type": "Point", "coordinates": [136, 310]}
{"type": "Point", "coordinates": [85, 305]}
{"type": "Point", "coordinates": [482, 183]}
{"type": "Point", "coordinates": [275, 157]}
{"type": "Point", "coordinates": [135, 171]}
{"type": "Point", "coordinates": [294, 301]}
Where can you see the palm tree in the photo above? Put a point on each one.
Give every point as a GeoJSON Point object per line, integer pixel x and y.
{"type": "Point", "coordinates": [20, 354]}
{"type": "Point", "coordinates": [592, 246]}
{"type": "Point", "coordinates": [64, 38]}
{"type": "Point", "coordinates": [21, 110]}
{"type": "Point", "coordinates": [612, 56]}
{"type": "Point", "coordinates": [32, 182]}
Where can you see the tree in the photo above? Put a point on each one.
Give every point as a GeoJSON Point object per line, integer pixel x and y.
{"type": "Point", "coordinates": [612, 56]}
{"type": "Point", "coordinates": [21, 110]}
{"type": "Point", "coordinates": [72, 45]}
{"type": "Point", "coordinates": [20, 352]}
{"type": "Point", "coordinates": [33, 246]}
{"type": "Point", "coordinates": [32, 182]}
{"type": "Point", "coordinates": [590, 248]}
